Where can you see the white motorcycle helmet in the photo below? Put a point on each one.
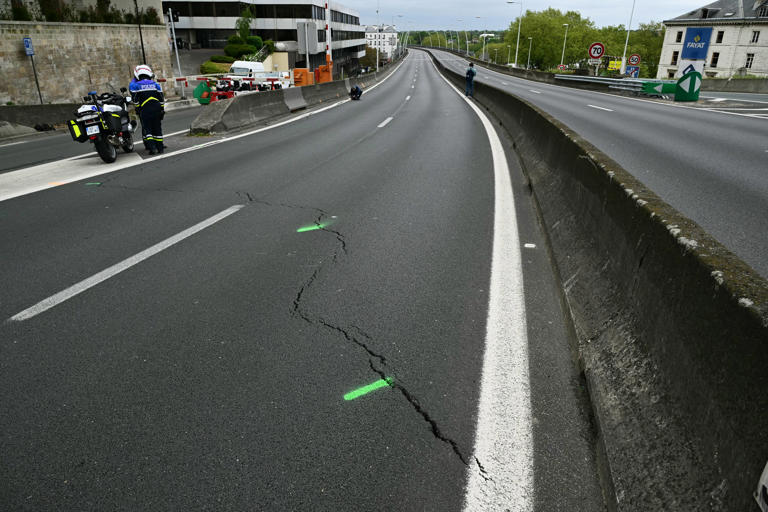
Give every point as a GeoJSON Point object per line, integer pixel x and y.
{"type": "Point", "coordinates": [142, 69]}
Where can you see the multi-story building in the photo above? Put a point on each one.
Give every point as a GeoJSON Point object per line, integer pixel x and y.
{"type": "Point", "coordinates": [384, 38]}
{"type": "Point", "coordinates": [738, 44]}
{"type": "Point", "coordinates": [208, 24]}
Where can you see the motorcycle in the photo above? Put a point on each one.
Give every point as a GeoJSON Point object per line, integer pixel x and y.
{"type": "Point", "coordinates": [103, 120]}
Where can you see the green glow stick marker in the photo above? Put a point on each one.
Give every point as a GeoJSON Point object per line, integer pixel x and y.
{"type": "Point", "coordinates": [313, 227]}
{"type": "Point", "coordinates": [367, 389]}
{"type": "Point", "coordinates": [93, 183]}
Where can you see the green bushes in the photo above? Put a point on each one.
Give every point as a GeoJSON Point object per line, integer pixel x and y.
{"type": "Point", "coordinates": [222, 59]}
{"type": "Point", "coordinates": [212, 68]}
{"type": "Point", "coordinates": [235, 39]}
{"type": "Point", "coordinates": [238, 50]}
{"type": "Point", "coordinates": [254, 41]}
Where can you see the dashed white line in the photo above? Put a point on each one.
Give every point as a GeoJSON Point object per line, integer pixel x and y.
{"type": "Point", "coordinates": [530, 246]}
{"type": "Point", "coordinates": [55, 300]}
{"type": "Point", "coordinates": [715, 100]}
{"type": "Point", "coordinates": [504, 83]}
{"type": "Point", "coordinates": [535, 91]}
{"type": "Point", "coordinates": [600, 108]}
{"type": "Point", "coordinates": [385, 122]}
{"type": "Point", "coordinates": [413, 87]}
{"type": "Point", "coordinates": [407, 98]}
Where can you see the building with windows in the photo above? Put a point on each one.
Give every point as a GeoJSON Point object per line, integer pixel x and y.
{"type": "Point", "coordinates": [738, 44]}
{"type": "Point", "coordinates": [208, 24]}
{"type": "Point", "coordinates": [384, 38]}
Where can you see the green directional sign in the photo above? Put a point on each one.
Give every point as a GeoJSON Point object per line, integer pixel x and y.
{"type": "Point", "coordinates": [659, 88]}
{"type": "Point", "coordinates": [688, 87]}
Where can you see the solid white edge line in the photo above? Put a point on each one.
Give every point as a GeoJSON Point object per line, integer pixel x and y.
{"type": "Point", "coordinates": [407, 98]}
{"type": "Point", "coordinates": [600, 108]}
{"type": "Point", "coordinates": [55, 300]}
{"type": "Point", "coordinates": [504, 432]}
{"type": "Point", "coordinates": [385, 122]}
{"type": "Point", "coordinates": [170, 154]}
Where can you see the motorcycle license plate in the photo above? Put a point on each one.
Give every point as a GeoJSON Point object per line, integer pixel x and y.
{"type": "Point", "coordinates": [92, 130]}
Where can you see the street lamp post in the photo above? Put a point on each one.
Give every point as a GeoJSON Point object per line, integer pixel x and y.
{"type": "Point", "coordinates": [629, 27]}
{"type": "Point", "coordinates": [519, 24]}
{"type": "Point", "coordinates": [509, 53]}
{"type": "Point", "coordinates": [530, 45]}
{"type": "Point", "coordinates": [495, 55]}
{"type": "Point", "coordinates": [481, 37]}
{"type": "Point", "coordinates": [562, 57]}
{"type": "Point", "coordinates": [141, 37]}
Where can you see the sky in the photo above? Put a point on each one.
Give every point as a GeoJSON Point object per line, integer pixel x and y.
{"type": "Point", "coordinates": [497, 14]}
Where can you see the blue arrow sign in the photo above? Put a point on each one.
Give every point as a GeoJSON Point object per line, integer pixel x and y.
{"type": "Point", "coordinates": [28, 46]}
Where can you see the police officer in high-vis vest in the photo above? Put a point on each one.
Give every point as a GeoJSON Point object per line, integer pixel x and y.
{"type": "Point", "coordinates": [150, 106]}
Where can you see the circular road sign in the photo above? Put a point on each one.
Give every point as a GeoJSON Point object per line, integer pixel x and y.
{"type": "Point", "coordinates": [596, 50]}
{"type": "Point", "coordinates": [561, 67]}
{"type": "Point", "coordinates": [634, 59]}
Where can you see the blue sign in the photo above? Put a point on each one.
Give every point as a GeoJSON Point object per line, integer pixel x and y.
{"type": "Point", "coordinates": [696, 43]}
{"type": "Point", "coordinates": [633, 71]}
{"type": "Point", "coordinates": [28, 46]}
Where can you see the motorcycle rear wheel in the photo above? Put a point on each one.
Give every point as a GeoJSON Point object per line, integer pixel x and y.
{"type": "Point", "coordinates": [106, 151]}
{"type": "Point", "coordinates": [127, 143]}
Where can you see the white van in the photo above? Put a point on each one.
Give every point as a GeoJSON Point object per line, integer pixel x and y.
{"type": "Point", "coordinates": [247, 69]}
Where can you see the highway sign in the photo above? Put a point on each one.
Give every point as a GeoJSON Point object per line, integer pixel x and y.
{"type": "Point", "coordinates": [595, 62]}
{"type": "Point", "coordinates": [685, 66]}
{"type": "Point", "coordinates": [688, 87]}
{"type": "Point", "coordinates": [28, 46]}
{"type": "Point", "coordinates": [633, 71]}
{"type": "Point", "coordinates": [596, 50]}
{"type": "Point", "coordinates": [561, 67]}
{"type": "Point", "coordinates": [614, 65]}
{"type": "Point", "coordinates": [634, 59]}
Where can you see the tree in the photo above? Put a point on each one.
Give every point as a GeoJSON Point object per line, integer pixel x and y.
{"type": "Point", "coordinates": [243, 24]}
{"type": "Point", "coordinates": [370, 58]}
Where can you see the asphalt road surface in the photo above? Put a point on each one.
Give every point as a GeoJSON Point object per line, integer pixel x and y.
{"type": "Point", "coordinates": [188, 331]}
{"type": "Point", "coordinates": [709, 163]}
{"type": "Point", "coordinates": [43, 148]}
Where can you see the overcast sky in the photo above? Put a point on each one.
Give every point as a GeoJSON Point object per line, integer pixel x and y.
{"type": "Point", "coordinates": [496, 14]}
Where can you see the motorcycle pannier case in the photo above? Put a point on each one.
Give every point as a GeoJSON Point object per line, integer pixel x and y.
{"type": "Point", "coordinates": [113, 120]}
{"type": "Point", "coordinates": [77, 130]}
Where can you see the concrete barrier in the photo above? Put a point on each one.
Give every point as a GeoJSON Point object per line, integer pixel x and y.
{"type": "Point", "coordinates": [251, 109]}
{"type": "Point", "coordinates": [672, 327]}
{"type": "Point", "coordinates": [749, 85]}
{"type": "Point", "coordinates": [30, 115]}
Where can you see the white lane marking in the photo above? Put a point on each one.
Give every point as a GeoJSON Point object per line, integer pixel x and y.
{"type": "Point", "coordinates": [177, 133]}
{"type": "Point", "coordinates": [530, 246]}
{"type": "Point", "coordinates": [40, 177]}
{"type": "Point", "coordinates": [413, 87]}
{"type": "Point", "coordinates": [503, 435]}
{"type": "Point", "coordinates": [55, 300]}
{"type": "Point", "coordinates": [535, 91]}
{"type": "Point", "coordinates": [714, 100]}
{"type": "Point", "coordinates": [600, 108]}
{"type": "Point", "coordinates": [407, 98]}
{"type": "Point", "coordinates": [385, 122]}
{"type": "Point", "coordinates": [504, 83]}
{"type": "Point", "coordinates": [15, 143]}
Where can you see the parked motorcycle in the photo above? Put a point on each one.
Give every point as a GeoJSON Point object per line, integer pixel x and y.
{"type": "Point", "coordinates": [103, 120]}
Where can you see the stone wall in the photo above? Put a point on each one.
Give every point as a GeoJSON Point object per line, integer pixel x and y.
{"type": "Point", "coordinates": [74, 58]}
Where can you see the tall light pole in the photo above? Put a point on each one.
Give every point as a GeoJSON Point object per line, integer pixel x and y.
{"type": "Point", "coordinates": [562, 57]}
{"type": "Point", "coordinates": [482, 54]}
{"type": "Point", "coordinates": [495, 55]}
{"type": "Point", "coordinates": [629, 27]}
{"type": "Point", "coordinates": [519, 24]}
{"type": "Point", "coordinates": [509, 53]}
{"type": "Point", "coordinates": [530, 45]}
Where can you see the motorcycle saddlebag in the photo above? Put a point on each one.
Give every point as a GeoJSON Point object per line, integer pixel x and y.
{"type": "Point", "coordinates": [113, 121]}
{"type": "Point", "coordinates": [77, 130]}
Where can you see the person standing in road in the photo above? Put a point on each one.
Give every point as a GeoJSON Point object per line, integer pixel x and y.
{"type": "Point", "coordinates": [150, 106]}
{"type": "Point", "coordinates": [470, 89]}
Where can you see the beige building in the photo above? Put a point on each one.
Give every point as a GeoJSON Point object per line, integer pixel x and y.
{"type": "Point", "coordinates": [738, 45]}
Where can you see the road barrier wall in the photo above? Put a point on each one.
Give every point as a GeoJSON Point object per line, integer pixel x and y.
{"type": "Point", "coordinates": [749, 85]}
{"type": "Point", "coordinates": [672, 328]}
{"type": "Point", "coordinates": [251, 109]}
{"type": "Point", "coordinates": [30, 115]}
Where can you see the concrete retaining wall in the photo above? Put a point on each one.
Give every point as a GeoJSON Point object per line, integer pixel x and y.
{"type": "Point", "coordinates": [74, 58]}
{"type": "Point", "coordinates": [759, 86]}
{"type": "Point", "coordinates": [672, 327]}
{"type": "Point", "coordinates": [30, 115]}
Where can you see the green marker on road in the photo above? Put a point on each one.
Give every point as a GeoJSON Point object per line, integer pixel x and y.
{"type": "Point", "coordinates": [93, 183]}
{"type": "Point", "coordinates": [367, 389]}
{"type": "Point", "coordinates": [313, 227]}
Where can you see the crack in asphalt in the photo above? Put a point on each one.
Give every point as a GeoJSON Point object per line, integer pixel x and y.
{"type": "Point", "coordinates": [347, 334]}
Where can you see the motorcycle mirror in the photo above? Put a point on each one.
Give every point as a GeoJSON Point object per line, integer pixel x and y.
{"type": "Point", "coordinates": [123, 89]}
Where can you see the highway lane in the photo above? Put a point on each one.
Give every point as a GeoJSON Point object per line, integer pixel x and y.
{"type": "Point", "coordinates": [212, 374]}
{"type": "Point", "coordinates": [39, 149]}
{"type": "Point", "coordinates": [709, 165]}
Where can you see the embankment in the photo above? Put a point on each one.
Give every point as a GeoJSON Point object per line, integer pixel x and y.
{"type": "Point", "coordinates": [672, 327]}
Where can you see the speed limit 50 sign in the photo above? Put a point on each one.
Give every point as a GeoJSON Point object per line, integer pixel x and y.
{"type": "Point", "coordinates": [634, 59]}
{"type": "Point", "coordinates": [596, 50]}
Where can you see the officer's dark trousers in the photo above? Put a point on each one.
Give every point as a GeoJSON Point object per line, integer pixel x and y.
{"type": "Point", "coordinates": [152, 128]}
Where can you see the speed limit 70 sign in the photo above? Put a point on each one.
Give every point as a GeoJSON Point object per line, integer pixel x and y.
{"type": "Point", "coordinates": [634, 59]}
{"type": "Point", "coordinates": [596, 50]}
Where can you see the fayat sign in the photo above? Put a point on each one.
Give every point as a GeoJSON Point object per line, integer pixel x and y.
{"type": "Point", "coordinates": [696, 43]}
